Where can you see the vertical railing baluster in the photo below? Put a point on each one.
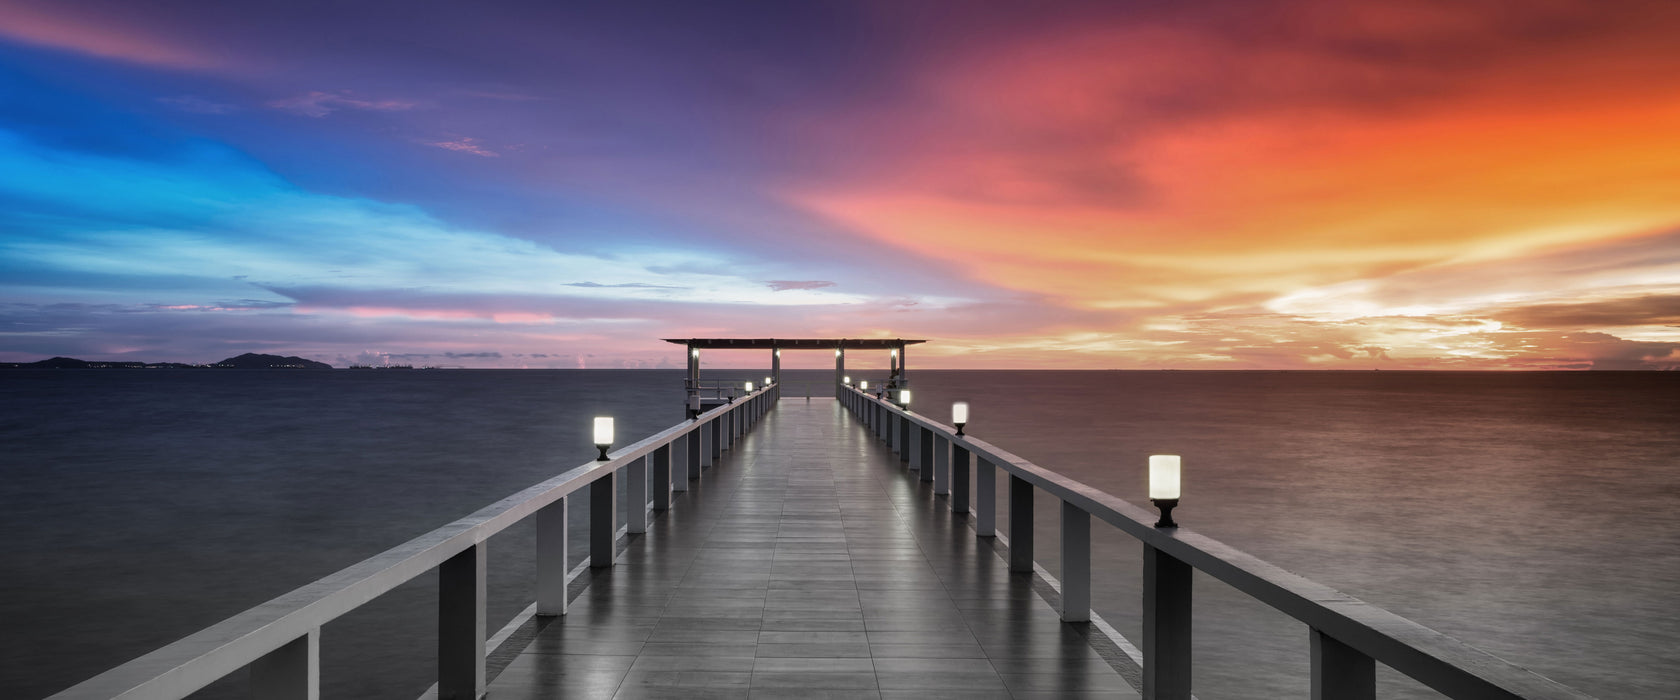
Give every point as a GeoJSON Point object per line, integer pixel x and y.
{"type": "Point", "coordinates": [914, 447]}
{"type": "Point", "coordinates": [603, 520]}
{"type": "Point", "coordinates": [636, 497]}
{"type": "Point", "coordinates": [292, 672]}
{"type": "Point", "coordinates": [924, 451]}
{"type": "Point", "coordinates": [959, 479]}
{"type": "Point", "coordinates": [941, 465]}
{"type": "Point", "coordinates": [461, 596]}
{"type": "Point", "coordinates": [552, 566]}
{"type": "Point", "coordinates": [985, 498]}
{"type": "Point", "coordinates": [713, 451]}
{"type": "Point", "coordinates": [696, 445]}
{"type": "Point", "coordinates": [1166, 626]}
{"type": "Point", "coordinates": [1340, 672]}
{"type": "Point", "coordinates": [1076, 564]}
{"type": "Point", "coordinates": [662, 476]}
{"type": "Point", "coordinates": [679, 461]}
{"type": "Point", "coordinates": [898, 437]}
{"type": "Point", "coordinates": [1020, 524]}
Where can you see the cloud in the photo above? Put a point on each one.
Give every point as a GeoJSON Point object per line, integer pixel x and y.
{"type": "Point", "coordinates": [1657, 309]}
{"type": "Point", "coordinates": [626, 285]}
{"type": "Point", "coordinates": [466, 144]}
{"type": "Point", "coordinates": [320, 104]}
{"type": "Point", "coordinates": [784, 285]}
{"type": "Point", "coordinates": [95, 33]}
{"type": "Point", "coordinates": [198, 105]}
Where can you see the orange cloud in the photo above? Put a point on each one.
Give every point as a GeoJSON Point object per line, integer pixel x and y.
{"type": "Point", "coordinates": [1165, 163]}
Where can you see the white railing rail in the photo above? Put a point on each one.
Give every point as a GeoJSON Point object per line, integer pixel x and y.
{"type": "Point", "coordinates": [280, 639]}
{"type": "Point", "coordinates": [1347, 636]}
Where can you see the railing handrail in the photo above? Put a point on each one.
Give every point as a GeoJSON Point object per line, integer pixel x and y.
{"type": "Point", "coordinates": [1444, 663]}
{"type": "Point", "coordinates": [184, 666]}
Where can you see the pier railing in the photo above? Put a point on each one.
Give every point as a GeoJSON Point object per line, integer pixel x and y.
{"type": "Point", "coordinates": [1347, 636]}
{"type": "Point", "coordinates": [280, 640]}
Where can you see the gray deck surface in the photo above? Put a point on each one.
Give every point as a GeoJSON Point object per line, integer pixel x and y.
{"type": "Point", "coordinates": [809, 563]}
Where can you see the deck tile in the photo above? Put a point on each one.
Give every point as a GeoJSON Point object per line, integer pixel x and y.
{"type": "Point", "coordinates": [810, 563]}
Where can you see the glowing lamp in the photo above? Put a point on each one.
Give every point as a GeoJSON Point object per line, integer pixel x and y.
{"type": "Point", "coordinates": [959, 415]}
{"type": "Point", "coordinates": [1164, 486]}
{"type": "Point", "coordinates": [864, 385]}
{"type": "Point", "coordinates": [904, 399]}
{"type": "Point", "coordinates": [603, 435]}
{"type": "Point", "coordinates": [696, 352]}
{"type": "Point", "coordinates": [748, 385]}
{"type": "Point", "coordinates": [767, 381]}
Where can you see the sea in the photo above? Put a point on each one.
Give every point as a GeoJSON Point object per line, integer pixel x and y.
{"type": "Point", "coordinates": [1535, 515]}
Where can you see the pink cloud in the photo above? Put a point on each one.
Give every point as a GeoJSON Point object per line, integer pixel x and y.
{"type": "Point", "coordinates": [58, 27]}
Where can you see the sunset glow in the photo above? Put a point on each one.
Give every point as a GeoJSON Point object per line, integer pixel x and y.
{"type": "Point", "coordinates": [1305, 184]}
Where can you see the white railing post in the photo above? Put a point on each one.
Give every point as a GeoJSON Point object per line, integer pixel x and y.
{"type": "Point", "coordinates": [1340, 672]}
{"type": "Point", "coordinates": [941, 466]}
{"type": "Point", "coordinates": [1076, 564]}
{"type": "Point", "coordinates": [292, 672]}
{"type": "Point", "coordinates": [1020, 524]}
{"type": "Point", "coordinates": [636, 497]}
{"type": "Point", "coordinates": [985, 498]}
{"type": "Point", "coordinates": [662, 476]}
{"type": "Point", "coordinates": [461, 594]}
{"type": "Point", "coordinates": [603, 520]}
{"type": "Point", "coordinates": [1166, 626]}
{"type": "Point", "coordinates": [551, 558]}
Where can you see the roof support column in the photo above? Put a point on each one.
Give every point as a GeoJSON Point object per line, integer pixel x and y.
{"type": "Point", "coordinates": [693, 386]}
{"type": "Point", "coordinates": [839, 369]}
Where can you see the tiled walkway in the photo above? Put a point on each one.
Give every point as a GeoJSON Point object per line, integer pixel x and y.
{"type": "Point", "coordinates": [809, 564]}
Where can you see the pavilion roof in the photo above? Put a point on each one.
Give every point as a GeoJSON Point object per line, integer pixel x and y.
{"type": "Point", "coordinates": [793, 343]}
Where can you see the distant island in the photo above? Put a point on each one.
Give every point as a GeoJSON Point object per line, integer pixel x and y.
{"type": "Point", "coordinates": [248, 360]}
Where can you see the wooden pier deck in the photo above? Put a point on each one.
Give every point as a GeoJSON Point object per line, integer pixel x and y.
{"type": "Point", "coordinates": [808, 563]}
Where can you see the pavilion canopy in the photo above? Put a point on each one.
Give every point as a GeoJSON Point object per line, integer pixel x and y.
{"type": "Point", "coordinates": [793, 343]}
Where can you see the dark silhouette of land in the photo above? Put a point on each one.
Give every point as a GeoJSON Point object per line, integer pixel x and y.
{"type": "Point", "coordinates": [248, 360]}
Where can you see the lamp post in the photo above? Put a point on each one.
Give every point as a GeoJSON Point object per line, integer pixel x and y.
{"type": "Point", "coordinates": [603, 435]}
{"type": "Point", "coordinates": [959, 415]}
{"type": "Point", "coordinates": [1164, 486]}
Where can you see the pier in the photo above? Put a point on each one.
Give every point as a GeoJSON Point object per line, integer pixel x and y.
{"type": "Point", "coordinates": [829, 547]}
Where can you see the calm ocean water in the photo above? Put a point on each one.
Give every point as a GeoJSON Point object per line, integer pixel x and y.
{"type": "Point", "coordinates": [1532, 514]}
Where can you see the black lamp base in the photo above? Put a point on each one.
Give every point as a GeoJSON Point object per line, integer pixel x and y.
{"type": "Point", "coordinates": [960, 430]}
{"type": "Point", "coordinates": [603, 456]}
{"type": "Point", "coordinates": [1166, 505]}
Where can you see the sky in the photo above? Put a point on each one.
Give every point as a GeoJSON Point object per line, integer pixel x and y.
{"type": "Point", "coordinates": [1299, 184]}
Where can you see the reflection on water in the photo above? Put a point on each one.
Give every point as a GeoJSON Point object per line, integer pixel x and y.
{"type": "Point", "coordinates": [1530, 514]}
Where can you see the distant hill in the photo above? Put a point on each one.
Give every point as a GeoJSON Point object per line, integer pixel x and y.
{"type": "Point", "coordinates": [73, 363]}
{"type": "Point", "coordinates": [248, 360]}
{"type": "Point", "coordinates": [253, 360]}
